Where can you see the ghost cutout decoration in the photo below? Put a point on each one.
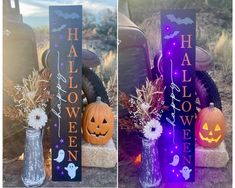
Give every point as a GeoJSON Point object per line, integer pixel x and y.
{"type": "Point", "coordinates": [71, 169]}
{"type": "Point", "coordinates": [210, 127]}
{"type": "Point", "coordinates": [186, 172]}
{"type": "Point", "coordinates": [175, 160]}
{"type": "Point", "coordinates": [60, 157]}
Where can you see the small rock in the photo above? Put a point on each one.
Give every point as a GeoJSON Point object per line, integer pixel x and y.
{"type": "Point", "coordinates": [211, 157]}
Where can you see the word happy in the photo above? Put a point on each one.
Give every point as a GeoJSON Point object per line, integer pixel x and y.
{"type": "Point", "coordinates": [60, 78]}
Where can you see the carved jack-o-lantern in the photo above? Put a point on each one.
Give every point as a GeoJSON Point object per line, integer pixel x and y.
{"type": "Point", "coordinates": [97, 123]}
{"type": "Point", "coordinates": [210, 127]}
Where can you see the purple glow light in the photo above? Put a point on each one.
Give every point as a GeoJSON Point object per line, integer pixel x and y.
{"type": "Point", "coordinates": [174, 44]}
{"type": "Point", "coordinates": [171, 151]}
{"type": "Point", "coordinates": [62, 173]}
{"type": "Point", "coordinates": [61, 141]}
{"type": "Point", "coordinates": [170, 133]}
{"type": "Point", "coordinates": [175, 73]}
{"type": "Point", "coordinates": [177, 175]}
{"type": "Point", "coordinates": [173, 170]}
{"type": "Point", "coordinates": [58, 167]}
{"type": "Point", "coordinates": [56, 146]}
{"type": "Point", "coordinates": [167, 28]}
{"type": "Point", "coordinates": [169, 53]}
{"type": "Point", "coordinates": [176, 147]}
{"type": "Point", "coordinates": [55, 125]}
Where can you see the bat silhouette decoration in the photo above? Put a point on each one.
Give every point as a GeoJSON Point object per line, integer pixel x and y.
{"type": "Point", "coordinates": [171, 35]}
{"type": "Point", "coordinates": [179, 21]}
{"type": "Point", "coordinates": [59, 28]}
{"type": "Point", "coordinates": [67, 15]}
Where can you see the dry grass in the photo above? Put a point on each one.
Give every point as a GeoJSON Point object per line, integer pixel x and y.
{"type": "Point", "coordinates": [107, 72]}
{"type": "Point", "coordinates": [151, 28]}
{"type": "Point", "coordinates": [223, 51]}
{"type": "Point", "coordinates": [111, 88]}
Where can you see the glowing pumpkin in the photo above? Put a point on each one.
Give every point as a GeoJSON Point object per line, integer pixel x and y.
{"type": "Point", "coordinates": [98, 123]}
{"type": "Point", "coordinates": [210, 127]}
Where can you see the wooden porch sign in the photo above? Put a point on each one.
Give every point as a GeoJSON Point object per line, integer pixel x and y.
{"type": "Point", "coordinates": [65, 65]}
{"type": "Point", "coordinates": [178, 46]}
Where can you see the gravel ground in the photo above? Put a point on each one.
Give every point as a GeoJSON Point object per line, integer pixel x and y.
{"type": "Point", "coordinates": [91, 177]}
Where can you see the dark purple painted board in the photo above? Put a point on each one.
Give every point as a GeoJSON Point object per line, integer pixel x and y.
{"type": "Point", "coordinates": [178, 141]}
{"type": "Point", "coordinates": [65, 64]}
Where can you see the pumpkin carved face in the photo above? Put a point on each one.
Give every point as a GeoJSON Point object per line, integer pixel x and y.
{"type": "Point", "coordinates": [98, 120]}
{"type": "Point", "coordinates": [210, 127]}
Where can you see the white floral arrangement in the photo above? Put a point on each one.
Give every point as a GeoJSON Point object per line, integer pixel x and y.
{"type": "Point", "coordinates": [145, 109]}
{"type": "Point", "coordinates": [30, 99]}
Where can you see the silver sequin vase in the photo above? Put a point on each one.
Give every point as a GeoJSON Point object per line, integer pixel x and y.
{"type": "Point", "coordinates": [150, 172]}
{"type": "Point", "coordinates": [33, 171]}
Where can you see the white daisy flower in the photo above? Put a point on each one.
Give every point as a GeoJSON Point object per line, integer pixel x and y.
{"type": "Point", "coordinates": [37, 118]}
{"type": "Point", "coordinates": [153, 129]}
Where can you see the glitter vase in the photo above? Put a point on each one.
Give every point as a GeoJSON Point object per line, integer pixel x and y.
{"type": "Point", "coordinates": [33, 171]}
{"type": "Point", "coordinates": [150, 172]}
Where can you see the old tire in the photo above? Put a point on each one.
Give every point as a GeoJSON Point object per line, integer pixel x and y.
{"type": "Point", "coordinates": [206, 91]}
{"type": "Point", "coordinates": [92, 87]}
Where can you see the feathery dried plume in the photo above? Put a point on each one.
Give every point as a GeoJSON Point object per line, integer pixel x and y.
{"type": "Point", "coordinates": [148, 104]}
{"type": "Point", "coordinates": [11, 89]}
{"type": "Point", "coordinates": [127, 124]}
{"type": "Point", "coordinates": [33, 93]}
{"type": "Point", "coordinates": [13, 113]}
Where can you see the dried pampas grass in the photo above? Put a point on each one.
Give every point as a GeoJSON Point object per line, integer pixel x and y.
{"type": "Point", "coordinates": [146, 105]}
{"type": "Point", "coordinates": [33, 93]}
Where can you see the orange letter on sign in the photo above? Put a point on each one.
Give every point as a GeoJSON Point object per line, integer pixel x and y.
{"type": "Point", "coordinates": [72, 33]}
{"type": "Point", "coordinates": [183, 40]}
{"type": "Point", "coordinates": [73, 111]}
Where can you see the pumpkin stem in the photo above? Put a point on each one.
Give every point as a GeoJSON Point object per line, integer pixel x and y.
{"type": "Point", "coordinates": [211, 105]}
{"type": "Point", "coordinates": [98, 99]}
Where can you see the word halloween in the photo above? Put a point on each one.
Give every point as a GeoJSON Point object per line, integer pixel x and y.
{"type": "Point", "coordinates": [64, 61]}
{"type": "Point", "coordinates": [178, 45]}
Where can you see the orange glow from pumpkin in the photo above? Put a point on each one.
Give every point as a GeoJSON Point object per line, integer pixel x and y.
{"type": "Point", "coordinates": [137, 159]}
{"type": "Point", "coordinates": [209, 139]}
